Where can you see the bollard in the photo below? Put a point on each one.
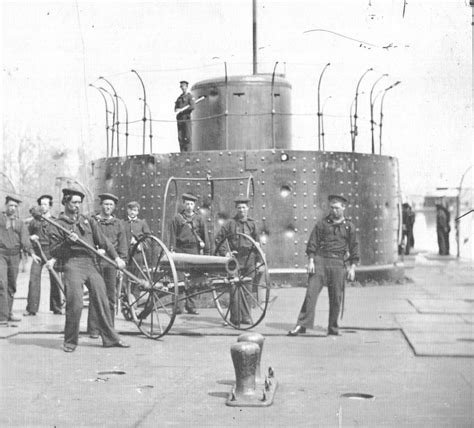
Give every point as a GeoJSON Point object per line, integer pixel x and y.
{"type": "Point", "coordinates": [246, 357]}
{"type": "Point", "coordinates": [258, 339]}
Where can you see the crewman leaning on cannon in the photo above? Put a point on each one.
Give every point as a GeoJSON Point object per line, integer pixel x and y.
{"type": "Point", "coordinates": [114, 230]}
{"type": "Point", "coordinates": [188, 234]}
{"type": "Point", "coordinates": [80, 267]}
{"type": "Point", "coordinates": [241, 223]}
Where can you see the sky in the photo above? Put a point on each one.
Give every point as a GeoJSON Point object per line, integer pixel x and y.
{"type": "Point", "coordinates": [52, 51]}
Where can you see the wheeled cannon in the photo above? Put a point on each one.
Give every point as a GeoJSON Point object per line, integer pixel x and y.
{"type": "Point", "coordinates": [237, 279]}
{"type": "Point", "coordinates": [236, 275]}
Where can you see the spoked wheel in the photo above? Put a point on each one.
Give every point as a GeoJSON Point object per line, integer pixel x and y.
{"type": "Point", "coordinates": [151, 303]}
{"type": "Point", "coordinates": [242, 300]}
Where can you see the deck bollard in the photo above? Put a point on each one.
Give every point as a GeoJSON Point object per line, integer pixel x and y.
{"type": "Point", "coordinates": [245, 356]}
{"type": "Point", "coordinates": [258, 339]}
{"type": "Point", "coordinates": [248, 392]}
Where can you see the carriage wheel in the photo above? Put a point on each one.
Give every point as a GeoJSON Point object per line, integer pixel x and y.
{"type": "Point", "coordinates": [242, 300]}
{"type": "Point", "coordinates": [152, 303]}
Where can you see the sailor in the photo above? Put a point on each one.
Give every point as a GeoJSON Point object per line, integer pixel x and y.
{"type": "Point", "coordinates": [135, 227]}
{"type": "Point", "coordinates": [114, 230]}
{"type": "Point", "coordinates": [38, 229]}
{"type": "Point", "coordinates": [331, 239]}
{"type": "Point", "coordinates": [183, 107]}
{"type": "Point", "coordinates": [80, 267]}
{"type": "Point", "coordinates": [188, 234]}
{"type": "Point", "coordinates": [13, 240]}
{"type": "Point", "coordinates": [242, 249]}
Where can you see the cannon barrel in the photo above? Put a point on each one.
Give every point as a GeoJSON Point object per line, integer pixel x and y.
{"type": "Point", "coordinates": [205, 264]}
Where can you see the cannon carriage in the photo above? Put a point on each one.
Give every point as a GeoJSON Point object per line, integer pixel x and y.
{"type": "Point", "coordinates": [238, 282]}
{"type": "Point", "coordinates": [236, 275]}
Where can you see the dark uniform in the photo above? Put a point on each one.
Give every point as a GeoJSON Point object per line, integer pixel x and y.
{"type": "Point", "coordinates": [442, 229]}
{"type": "Point", "coordinates": [40, 228]}
{"type": "Point", "coordinates": [328, 244]}
{"type": "Point", "coordinates": [186, 236]}
{"type": "Point", "coordinates": [242, 246]}
{"type": "Point", "coordinates": [135, 229]}
{"type": "Point", "coordinates": [114, 230]}
{"type": "Point", "coordinates": [184, 121]}
{"type": "Point", "coordinates": [408, 221]}
{"type": "Point", "coordinates": [13, 239]}
{"type": "Point", "coordinates": [80, 266]}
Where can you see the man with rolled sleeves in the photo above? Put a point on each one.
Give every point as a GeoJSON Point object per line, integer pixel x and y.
{"type": "Point", "coordinates": [331, 239]}
{"type": "Point", "coordinates": [183, 107]}
{"type": "Point", "coordinates": [188, 234]}
{"type": "Point", "coordinates": [240, 223]}
{"type": "Point", "coordinates": [80, 266]}
{"type": "Point", "coordinates": [114, 230]}
{"type": "Point", "coordinates": [38, 229]}
{"type": "Point", "coordinates": [13, 240]}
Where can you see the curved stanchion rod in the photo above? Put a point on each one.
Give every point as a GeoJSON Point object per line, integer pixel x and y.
{"type": "Point", "coordinates": [381, 113]}
{"type": "Point", "coordinates": [126, 128]}
{"type": "Point", "coordinates": [106, 118]}
{"type": "Point", "coordinates": [355, 132]}
{"type": "Point", "coordinates": [273, 104]}
{"type": "Point", "coordinates": [151, 124]}
{"type": "Point", "coordinates": [112, 128]}
{"type": "Point", "coordinates": [372, 101]}
{"type": "Point", "coordinates": [144, 108]}
{"type": "Point", "coordinates": [319, 105]}
{"type": "Point", "coordinates": [117, 123]}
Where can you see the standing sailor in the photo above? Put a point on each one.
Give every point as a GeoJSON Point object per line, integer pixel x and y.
{"type": "Point", "coordinates": [183, 107]}
{"type": "Point", "coordinates": [80, 266]}
{"type": "Point", "coordinates": [13, 240]}
{"type": "Point", "coordinates": [188, 234]}
{"type": "Point", "coordinates": [331, 239]}
{"type": "Point", "coordinates": [114, 230]}
{"type": "Point", "coordinates": [39, 236]}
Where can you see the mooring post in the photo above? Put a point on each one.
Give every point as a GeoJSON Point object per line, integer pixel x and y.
{"type": "Point", "coordinates": [258, 339]}
{"type": "Point", "coordinates": [244, 356]}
